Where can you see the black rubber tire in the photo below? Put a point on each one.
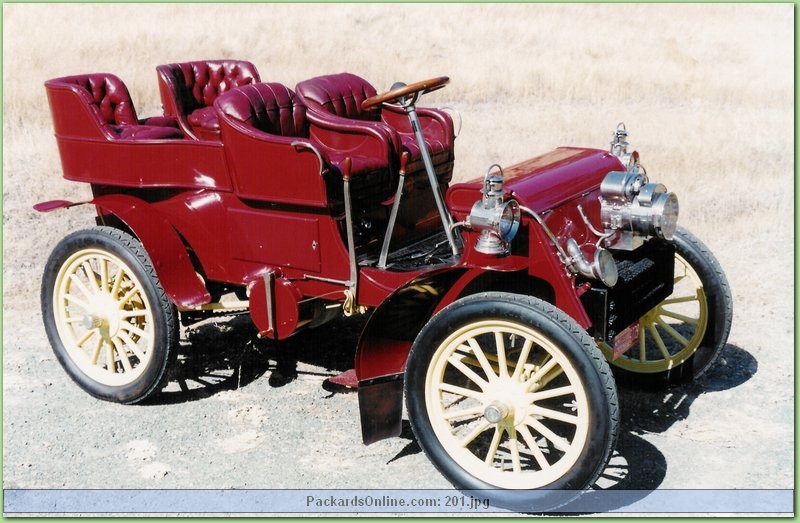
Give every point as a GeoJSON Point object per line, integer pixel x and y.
{"type": "Point", "coordinates": [576, 347]}
{"type": "Point", "coordinates": [165, 330]}
{"type": "Point", "coordinates": [720, 316]}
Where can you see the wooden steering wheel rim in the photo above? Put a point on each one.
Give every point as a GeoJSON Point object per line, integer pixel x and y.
{"type": "Point", "coordinates": [425, 86]}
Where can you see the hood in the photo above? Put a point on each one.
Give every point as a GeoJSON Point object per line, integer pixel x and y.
{"type": "Point", "coordinates": [544, 182]}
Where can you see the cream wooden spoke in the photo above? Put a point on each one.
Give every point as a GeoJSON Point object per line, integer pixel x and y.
{"type": "Point", "coordinates": [533, 447]}
{"type": "Point", "coordinates": [125, 314]}
{"type": "Point", "coordinates": [551, 393]}
{"type": "Point", "coordinates": [469, 393]}
{"type": "Point", "coordinates": [456, 362]}
{"type": "Point", "coordinates": [501, 354]}
{"type": "Point", "coordinates": [133, 329]}
{"type": "Point", "coordinates": [527, 377]}
{"type": "Point", "coordinates": [90, 276]}
{"type": "Point", "coordinates": [680, 299]}
{"type": "Point", "coordinates": [659, 341]}
{"type": "Point", "coordinates": [523, 357]}
{"type": "Point", "coordinates": [83, 339]}
{"type": "Point", "coordinates": [131, 345]}
{"type": "Point", "coordinates": [103, 317]}
{"type": "Point", "coordinates": [481, 357]}
{"type": "Point", "coordinates": [117, 281]}
{"type": "Point", "coordinates": [104, 275]}
{"type": "Point", "coordinates": [123, 354]}
{"type": "Point", "coordinates": [110, 358]}
{"type": "Point", "coordinates": [75, 301]}
{"type": "Point", "coordinates": [514, 448]}
{"type": "Point", "coordinates": [132, 293]}
{"type": "Point", "coordinates": [494, 445]}
{"type": "Point", "coordinates": [470, 413]}
{"type": "Point", "coordinates": [78, 283]}
{"type": "Point", "coordinates": [554, 414]}
{"type": "Point", "coordinates": [672, 332]}
{"type": "Point", "coordinates": [98, 348]}
{"type": "Point", "coordinates": [557, 441]}
{"type": "Point", "coordinates": [474, 433]}
{"type": "Point", "coordinates": [680, 317]}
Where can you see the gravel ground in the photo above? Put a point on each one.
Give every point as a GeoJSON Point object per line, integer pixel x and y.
{"type": "Point", "coordinates": [245, 414]}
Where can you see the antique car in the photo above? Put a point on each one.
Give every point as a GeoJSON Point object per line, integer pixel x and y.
{"type": "Point", "coordinates": [505, 309]}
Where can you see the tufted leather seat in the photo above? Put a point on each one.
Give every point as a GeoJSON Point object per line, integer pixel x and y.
{"type": "Point", "coordinates": [188, 91]}
{"type": "Point", "coordinates": [339, 96]}
{"type": "Point", "coordinates": [110, 105]}
{"type": "Point", "coordinates": [273, 116]}
{"type": "Point", "coordinates": [268, 107]}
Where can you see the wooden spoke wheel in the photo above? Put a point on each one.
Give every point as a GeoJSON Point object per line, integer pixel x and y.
{"type": "Point", "coordinates": [107, 317]}
{"type": "Point", "coordinates": [507, 392]}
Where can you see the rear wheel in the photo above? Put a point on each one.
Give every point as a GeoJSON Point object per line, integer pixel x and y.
{"type": "Point", "coordinates": [681, 337]}
{"type": "Point", "coordinates": [107, 317]}
{"type": "Point", "coordinates": [509, 394]}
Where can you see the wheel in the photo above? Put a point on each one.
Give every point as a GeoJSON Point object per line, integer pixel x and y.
{"type": "Point", "coordinates": [507, 393]}
{"type": "Point", "coordinates": [681, 338]}
{"type": "Point", "coordinates": [110, 324]}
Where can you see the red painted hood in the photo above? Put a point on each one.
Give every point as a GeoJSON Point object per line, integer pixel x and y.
{"type": "Point", "coordinates": [543, 182]}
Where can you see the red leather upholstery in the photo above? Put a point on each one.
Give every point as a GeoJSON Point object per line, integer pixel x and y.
{"type": "Point", "coordinates": [339, 96]}
{"type": "Point", "coordinates": [268, 107]}
{"type": "Point", "coordinates": [273, 115]}
{"type": "Point", "coordinates": [111, 108]}
{"type": "Point", "coordinates": [188, 91]}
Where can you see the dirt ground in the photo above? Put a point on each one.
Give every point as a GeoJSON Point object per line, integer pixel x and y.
{"type": "Point", "coordinates": [241, 413]}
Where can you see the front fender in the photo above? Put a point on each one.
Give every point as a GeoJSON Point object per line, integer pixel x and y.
{"type": "Point", "coordinates": [162, 243]}
{"type": "Point", "coordinates": [383, 349]}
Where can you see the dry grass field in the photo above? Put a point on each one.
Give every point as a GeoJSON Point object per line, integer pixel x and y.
{"type": "Point", "coordinates": [706, 92]}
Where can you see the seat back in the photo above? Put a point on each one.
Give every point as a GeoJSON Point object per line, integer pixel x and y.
{"type": "Point", "coordinates": [104, 95]}
{"type": "Point", "coordinates": [189, 87]}
{"type": "Point", "coordinates": [268, 107]}
{"type": "Point", "coordinates": [99, 105]}
{"type": "Point", "coordinates": [338, 94]}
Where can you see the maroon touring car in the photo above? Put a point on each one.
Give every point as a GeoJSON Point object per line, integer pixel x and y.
{"type": "Point", "coordinates": [505, 308]}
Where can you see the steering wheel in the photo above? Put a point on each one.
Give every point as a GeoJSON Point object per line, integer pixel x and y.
{"type": "Point", "coordinates": [425, 86]}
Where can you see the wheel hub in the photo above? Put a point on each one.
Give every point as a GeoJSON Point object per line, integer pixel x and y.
{"type": "Point", "coordinates": [508, 403]}
{"type": "Point", "coordinates": [496, 412]}
{"type": "Point", "coordinates": [103, 315]}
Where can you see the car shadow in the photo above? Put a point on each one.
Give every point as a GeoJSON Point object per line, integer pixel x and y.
{"type": "Point", "coordinates": [226, 354]}
{"type": "Point", "coordinates": [637, 467]}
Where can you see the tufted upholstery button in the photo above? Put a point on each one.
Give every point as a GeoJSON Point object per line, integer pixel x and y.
{"type": "Point", "coordinates": [109, 102]}
{"type": "Point", "coordinates": [189, 89]}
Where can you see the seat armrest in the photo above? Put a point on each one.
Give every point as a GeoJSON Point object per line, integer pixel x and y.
{"type": "Point", "coordinates": [436, 124]}
{"type": "Point", "coordinates": [364, 138]}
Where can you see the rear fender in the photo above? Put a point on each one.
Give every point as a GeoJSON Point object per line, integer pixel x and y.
{"type": "Point", "coordinates": [162, 243]}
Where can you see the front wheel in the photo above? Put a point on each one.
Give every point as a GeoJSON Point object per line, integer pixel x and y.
{"type": "Point", "coordinates": [681, 337]}
{"type": "Point", "coordinates": [508, 395]}
{"type": "Point", "coordinates": [108, 319]}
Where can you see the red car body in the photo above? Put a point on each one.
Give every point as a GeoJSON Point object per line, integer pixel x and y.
{"type": "Point", "coordinates": [285, 198]}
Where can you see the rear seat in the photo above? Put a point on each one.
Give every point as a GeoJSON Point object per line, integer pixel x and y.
{"type": "Point", "coordinates": [110, 106]}
{"type": "Point", "coordinates": [188, 91]}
